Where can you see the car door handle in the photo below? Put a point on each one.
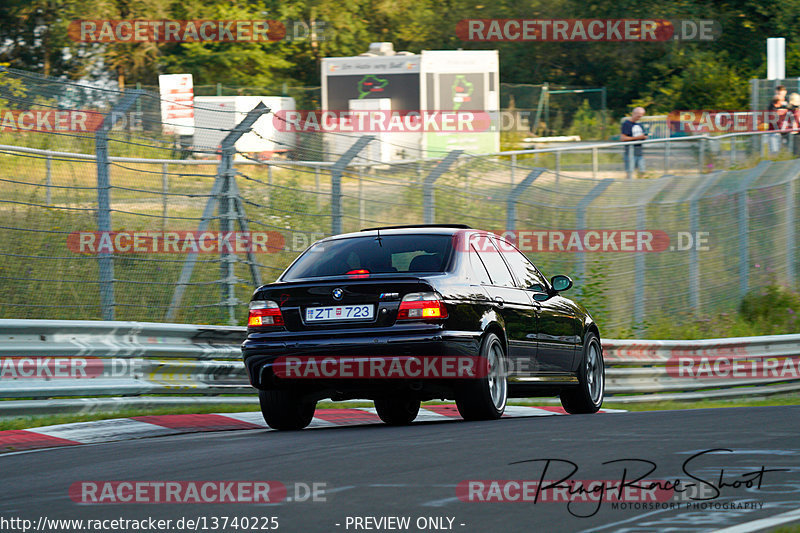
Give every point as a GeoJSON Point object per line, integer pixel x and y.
{"type": "Point", "coordinates": [499, 301]}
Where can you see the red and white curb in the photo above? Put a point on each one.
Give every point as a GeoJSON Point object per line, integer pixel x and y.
{"type": "Point", "coordinates": [138, 427]}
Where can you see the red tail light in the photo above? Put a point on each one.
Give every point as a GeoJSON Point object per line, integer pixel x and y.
{"type": "Point", "coordinates": [421, 306]}
{"type": "Point", "coordinates": [264, 313]}
{"type": "Point", "coordinates": [360, 273]}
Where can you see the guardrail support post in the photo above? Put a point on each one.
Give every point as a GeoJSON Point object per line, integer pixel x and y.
{"type": "Point", "coordinates": [106, 258]}
{"type": "Point", "coordinates": [595, 162]}
{"type": "Point", "coordinates": [336, 181]}
{"type": "Point", "coordinates": [428, 206]}
{"type": "Point", "coordinates": [511, 202]}
{"type": "Point", "coordinates": [580, 221]}
{"type": "Point", "coordinates": [225, 196]}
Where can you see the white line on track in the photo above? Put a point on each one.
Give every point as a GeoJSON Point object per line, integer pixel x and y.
{"type": "Point", "coordinates": [763, 523]}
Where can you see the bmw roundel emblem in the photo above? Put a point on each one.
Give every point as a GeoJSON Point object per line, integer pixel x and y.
{"type": "Point", "coordinates": [337, 294]}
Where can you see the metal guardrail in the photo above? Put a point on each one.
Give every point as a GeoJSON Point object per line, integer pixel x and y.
{"type": "Point", "coordinates": [58, 366]}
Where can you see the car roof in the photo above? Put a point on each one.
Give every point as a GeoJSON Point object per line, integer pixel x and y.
{"type": "Point", "coordinates": [421, 229]}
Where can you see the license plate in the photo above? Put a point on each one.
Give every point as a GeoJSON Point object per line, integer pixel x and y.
{"type": "Point", "coordinates": [339, 312]}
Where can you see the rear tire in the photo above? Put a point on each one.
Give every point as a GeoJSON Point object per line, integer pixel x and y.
{"type": "Point", "coordinates": [587, 397]}
{"type": "Point", "coordinates": [397, 411]}
{"type": "Point", "coordinates": [284, 410]}
{"type": "Point", "coordinates": [484, 398]}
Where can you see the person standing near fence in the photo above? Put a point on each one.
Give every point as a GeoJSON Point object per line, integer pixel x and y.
{"type": "Point", "coordinates": [777, 109]}
{"type": "Point", "coordinates": [791, 123]}
{"type": "Point", "coordinates": [633, 131]}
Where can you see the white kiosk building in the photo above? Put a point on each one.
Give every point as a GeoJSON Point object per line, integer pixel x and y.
{"type": "Point", "coordinates": [434, 80]}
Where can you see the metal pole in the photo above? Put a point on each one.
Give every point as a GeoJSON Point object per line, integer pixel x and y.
{"type": "Point", "coordinates": [629, 163]}
{"type": "Point", "coordinates": [558, 165]}
{"type": "Point", "coordinates": [164, 191]}
{"type": "Point", "coordinates": [603, 105]}
{"type": "Point", "coordinates": [227, 215]}
{"type": "Point", "coordinates": [224, 188]}
{"type": "Point", "coordinates": [580, 220]}
{"type": "Point", "coordinates": [701, 155]}
{"type": "Point", "coordinates": [316, 186]}
{"type": "Point", "coordinates": [361, 202]}
{"type": "Point", "coordinates": [428, 205]}
{"type": "Point", "coordinates": [513, 166]}
{"type": "Point", "coordinates": [336, 181]}
{"type": "Point", "coordinates": [790, 235]}
{"type": "Point", "coordinates": [49, 181]}
{"type": "Point", "coordinates": [594, 162]}
{"type": "Point", "coordinates": [511, 202]}
{"type": "Point", "coordinates": [743, 218]}
{"type": "Point", "coordinates": [269, 181]}
{"type": "Point", "coordinates": [755, 106]}
{"type": "Point", "coordinates": [105, 257]}
{"type": "Point", "coordinates": [667, 147]}
{"type": "Point", "coordinates": [694, 227]}
{"type": "Point", "coordinates": [641, 222]}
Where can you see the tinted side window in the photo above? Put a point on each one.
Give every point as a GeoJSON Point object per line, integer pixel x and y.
{"type": "Point", "coordinates": [497, 268]}
{"type": "Point", "coordinates": [523, 269]}
{"type": "Point", "coordinates": [478, 268]}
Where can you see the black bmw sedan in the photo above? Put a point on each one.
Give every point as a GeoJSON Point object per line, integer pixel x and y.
{"type": "Point", "coordinates": [401, 315]}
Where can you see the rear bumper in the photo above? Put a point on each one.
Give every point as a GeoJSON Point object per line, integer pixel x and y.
{"type": "Point", "coordinates": [261, 351]}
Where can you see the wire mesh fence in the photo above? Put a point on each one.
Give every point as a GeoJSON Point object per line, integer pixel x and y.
{"type": "Point", "coordinates": [109, 221]}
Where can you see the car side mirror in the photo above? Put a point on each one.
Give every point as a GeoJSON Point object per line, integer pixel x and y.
{"type": "Point", "coordinates": [561, 283]}
{"type": "Point", "coordinates": [541, 296]}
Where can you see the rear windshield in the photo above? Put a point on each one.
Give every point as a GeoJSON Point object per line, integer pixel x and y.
{"type": "Point", "coordinates": [368, 255]}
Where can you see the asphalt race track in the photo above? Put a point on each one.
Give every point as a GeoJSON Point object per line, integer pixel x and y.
{"type": "Point", "coordinates": [374, 472]}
